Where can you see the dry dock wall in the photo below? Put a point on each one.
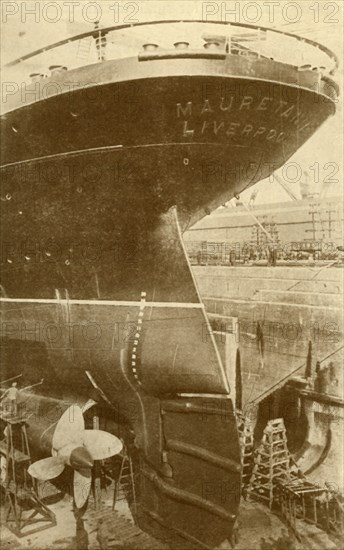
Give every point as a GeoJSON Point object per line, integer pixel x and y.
{"type": "Point", "coordinates": [293, 306]}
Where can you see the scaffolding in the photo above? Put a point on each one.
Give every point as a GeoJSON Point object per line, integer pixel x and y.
{"type": "Point", "coordinates": [25, 513]}
{"type": "Point", "coordinates": [302, 500]}
{"type": "Point", "coordinates": [271, 463]}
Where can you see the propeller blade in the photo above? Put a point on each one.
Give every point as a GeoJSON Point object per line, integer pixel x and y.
{"type": "Point", "coordinates": [82, 486]}
{"type": "Point", "coordinates": [69, 428]}
{"type": "Point", "coordinates": [101, 444]}
{"type": "Point", "coordinates": [47, 468]}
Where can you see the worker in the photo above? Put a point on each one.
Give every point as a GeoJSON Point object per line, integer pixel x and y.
{"type": "Point", "coordinates": [102, 535]}
{"type": "Point", "coordinates": [322, 380]}
{"type": "Point", "coordinates": [234, 539]}
{"type": "Point", "coordinates": [274, 257]}
{"type": "Point", "coordinates": [12, 396]}
{"type": "Point", "coordinates": [232, 257]}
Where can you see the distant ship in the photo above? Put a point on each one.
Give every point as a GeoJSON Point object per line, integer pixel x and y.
{"type": "Point", "coordinates": [104, 164]}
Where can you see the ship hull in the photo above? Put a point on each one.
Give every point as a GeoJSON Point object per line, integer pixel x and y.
{"type": "Point", "coordinates": [137, 358]}
{"type": "Point", "coordinates": [192, 141]}
{"type": "Point", "coordinates": [97, 291]}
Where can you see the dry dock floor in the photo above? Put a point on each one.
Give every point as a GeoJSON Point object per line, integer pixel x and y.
{"type": "Point", "coordinates": [259, 529]}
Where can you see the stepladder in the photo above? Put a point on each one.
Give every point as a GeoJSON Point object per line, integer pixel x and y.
{"type": "Point", "coordinates": [271, 463]}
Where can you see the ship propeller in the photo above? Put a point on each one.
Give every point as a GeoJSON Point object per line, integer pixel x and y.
{"type": "Point", "coordinates": [76, 447]}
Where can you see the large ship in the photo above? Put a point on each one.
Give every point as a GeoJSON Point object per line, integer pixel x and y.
{"type": "Point", "coordinates": [304, 224]}
{"type": "Point", "coordinates": [105, 162]}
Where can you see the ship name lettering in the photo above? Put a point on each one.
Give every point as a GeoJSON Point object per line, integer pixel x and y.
{"type": "Point", "coordinates": [272, 134]}
{"type": "Point", "coordinates": [247, 129]}
{"type": "Point", "coordinates": [204, 126]}
{"type": "Point", "coordinates": [232, 129]}
{"type": "Point", "coordinates": [186, 131]}
{"type": "Point", "coordinates": [280, 106]}
{"type": "Point", "coordinates": [286, 113]}
{"type": "Point", "coordinates": [230, 103]}
{"type": "Point", "coordinates": [261, 130]}
{"type": "Point", "coordinates": [296, 118]}
{"type": "Point", "coordinates": [218, 127]}
{"type": "Point", "coordinates": [227, 107]}
{"type": "Point", "coordinates": [246, 102]}
{"type": "Point", "coordinates": [185, 111]}
{"type": "Point", "coordinates": [206, 107]}
{"type": "Point", "coordinates": [263, 104]}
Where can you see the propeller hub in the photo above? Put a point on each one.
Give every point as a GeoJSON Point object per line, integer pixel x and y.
{"type": "Point", "coordinates": [80, 459]}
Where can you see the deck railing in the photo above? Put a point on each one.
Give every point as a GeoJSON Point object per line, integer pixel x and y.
{"type": "Point", "coordinates": [155, 38]}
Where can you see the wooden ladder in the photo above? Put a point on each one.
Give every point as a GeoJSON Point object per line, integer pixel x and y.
{"type": "Point", "coordinates": [125, 483]}
{"type": "Point", "coordinates": [246, 445]}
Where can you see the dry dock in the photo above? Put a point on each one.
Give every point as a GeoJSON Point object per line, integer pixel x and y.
{"type": "Point", "coordinates": [292, 306]}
